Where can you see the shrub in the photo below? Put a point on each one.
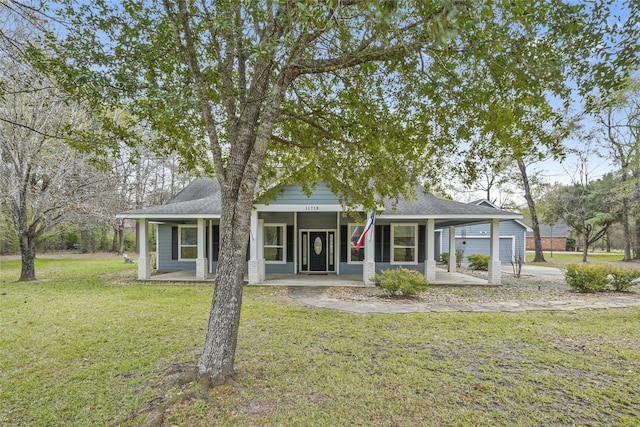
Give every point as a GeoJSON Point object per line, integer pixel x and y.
{"type": "Point", "coordinates": [444, 257]}
{"type": "Point", "coordinates": [401, 281]}
{"type": "Point", "coordinates": [587, 277]}
{"type": "Point", "coordinates": [622, 279]}
{"type": "Point", "coordinates": [596, 277]}
{"type": "Point", "coordinates": [478, 262]}
{"type": "Point", "coordinates": [570, 246]}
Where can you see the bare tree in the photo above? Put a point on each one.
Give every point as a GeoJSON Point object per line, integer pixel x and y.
{"type": "Point", "coordinates": [619, 122]}
{"type": "Point", "coordinates": [41, 178]}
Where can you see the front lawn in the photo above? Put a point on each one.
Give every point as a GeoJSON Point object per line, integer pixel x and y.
{"type": "Point", "coordinates": [562, 258]}
{"type": "Point", "coordinates": [89, 345]}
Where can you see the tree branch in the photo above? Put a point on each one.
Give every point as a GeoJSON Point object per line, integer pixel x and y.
{"type": "Point", "coordinates": [32, 129]}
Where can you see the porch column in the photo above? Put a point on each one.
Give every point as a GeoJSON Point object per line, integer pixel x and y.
{"type": "Point", "coordinates": [144, 261]}
{"type": "Point", "coordinates": [430, 261]}
{"type": "Point", "coordinates": [495, 266]}
{"type": "Point", "coordinates": [260, 250]}
{"type": "Point", "coordinates": [369, 264]}
{"type": "Point", "coordinates": [254, 268]}
{"type": "Point", "coordinates": [452, 249]}
{"type": "Point", "coordinates": [201, 260]}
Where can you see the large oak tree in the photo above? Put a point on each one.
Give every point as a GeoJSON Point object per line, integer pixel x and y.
{"type": "Point", "coordinates": [366, 96]}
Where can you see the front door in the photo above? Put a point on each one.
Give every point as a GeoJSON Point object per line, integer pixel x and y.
{"type": "Point", "coordinates": [318, 251]}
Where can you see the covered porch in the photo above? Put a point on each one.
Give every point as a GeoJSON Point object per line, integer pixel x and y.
{"type": "Point", "coordinates": [442, 278]}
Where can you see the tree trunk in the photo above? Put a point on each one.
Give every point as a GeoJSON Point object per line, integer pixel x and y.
{"type": "Point", "coordinates": [535, 224]}
{"type": "Point", "coordinates": [104, 241]}
{"type": "Point", "coordinates": [585, 243]}
{"type": "Point", "coordinates": [121, 238]}
{"type": "Point", "coordinates": [216, 362]}
{"type": "Point", "coordinates": [137, 243]}
{"type": "Point", "coordinates": [636, 243]}
{"type": "Point", "coordinates": [28, 252]}
{"type": "Point", "coordinates": [626, 234]}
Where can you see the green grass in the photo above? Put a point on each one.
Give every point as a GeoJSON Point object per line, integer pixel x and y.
{"type": "Point", "coordinates": [563, 258]}
{"type": "Point", "coordinates": [88, 345]}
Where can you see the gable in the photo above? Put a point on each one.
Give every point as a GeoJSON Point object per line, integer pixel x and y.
{"type": "Point", "coordinates": [292, 194]}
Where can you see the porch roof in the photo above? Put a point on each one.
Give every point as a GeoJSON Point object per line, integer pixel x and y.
{"type": "Point", "coordinates": [202, 199]}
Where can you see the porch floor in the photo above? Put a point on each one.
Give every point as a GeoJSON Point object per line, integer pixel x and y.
{"type": "Point", "coordinates": [443, 277]}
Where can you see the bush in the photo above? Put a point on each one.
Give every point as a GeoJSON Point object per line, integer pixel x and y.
{"type": "Point", "coordinates": [587, 277]}
{"type": "Point", "coordinates": [444, 257]}
{"type": "Point", "coordinates": [596, 277]}
{"type": "Point", "coordinates": [401, 281]}
{"type": "Point", "coordinates": [570, 246]}
{"type": "Point", "coordinates": [478, 262]}
{"type": "Point", "coordinates": [622, 279]}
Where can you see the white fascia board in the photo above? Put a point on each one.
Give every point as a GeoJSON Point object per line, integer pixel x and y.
{"type": "Point", "coordinates": [502, 217]}
{"type": "Point", "coordinates": [527, 228]}
{"type": "Point", "coordinates": [167, 216]}
{"type": "Point", "coordinates": [308, 207]}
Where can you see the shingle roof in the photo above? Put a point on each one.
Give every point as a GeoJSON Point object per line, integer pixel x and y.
{"type": "Point", "coordinates": [448, 212]}
{"type": "Point", "coordinates": [201, 198]}
{"type": "Point", "coordinates": [558, 230]}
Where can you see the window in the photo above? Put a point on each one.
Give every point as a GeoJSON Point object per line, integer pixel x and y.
{"type": "Point", "coordinates": [355, 230]}
{"type": "Point", "coordinates": [404, 243]}
{"type": "Point", "coordinates": [188, 242]}
{"type": "Point", "coordinates": [274, 241]}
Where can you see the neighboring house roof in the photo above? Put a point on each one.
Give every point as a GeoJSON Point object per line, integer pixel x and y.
{"type": "Point", "coordinates": [557, 230]}
{"type": "Point", "coordinates": [202, 199]}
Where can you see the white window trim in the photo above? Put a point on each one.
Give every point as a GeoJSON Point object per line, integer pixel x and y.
{"type": "Point", "coordinates": [284, 242]}
{"type": "Point", "coordinates": [180, 245]}
{"type": "Point", "coordinates": [350, 243]}
{"type": "Point", "coordinates": [415, 247]}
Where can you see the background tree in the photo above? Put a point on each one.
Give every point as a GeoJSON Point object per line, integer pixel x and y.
{"type": "Point", "coordinates": [618, 119]}
{"type": "Point", "coordinates": [359, 94]}
{"type": "Point", "coordinates": [585, 205]}
{"type": "Point", "coordinates": [43, 182]}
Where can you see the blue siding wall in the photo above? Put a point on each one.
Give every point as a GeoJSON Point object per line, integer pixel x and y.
{"type": "Point", "coordinates": [292, 195]}
{"type": "Point", "coordinates": [346, 268]}
{"type": "Point", "coordinates": [279, 268]}
{"type": "Point", "coordinates": [164, 252]}
{"type": "Point", "coordinates": [512, 240]}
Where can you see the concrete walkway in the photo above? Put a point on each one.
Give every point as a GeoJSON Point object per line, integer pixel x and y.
{"type": "Point", "coordinates": [314, 297]}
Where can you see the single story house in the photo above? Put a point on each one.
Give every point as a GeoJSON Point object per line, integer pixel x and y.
{"type": "Point", "coordinates": [475, 238]}
{"type": "Point", "coordinates": [553, 237]}
{"type": "Point", "coordinates": [300, 234]}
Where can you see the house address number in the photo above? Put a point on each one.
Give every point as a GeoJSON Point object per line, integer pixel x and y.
{"type": "Point", "coordinates": [312, 208]}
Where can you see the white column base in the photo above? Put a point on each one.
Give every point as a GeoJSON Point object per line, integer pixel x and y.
{"type": "Point", "coordinates": [144, 268]}
{"type": "Point", "coordinates": [201, 268]}
{"type": "Point", "coordinates": [452, 262]}
{"type": "Point", "coordinates": [495, 273]}
{"type": "Point", "coordinates": [430, 270]}
{"type": "Point", "coordinates": [368, 271]}
{"type": "Point", "coordinates": [261, 270]}
{"type": "Point", "coordinates": [254, 277]}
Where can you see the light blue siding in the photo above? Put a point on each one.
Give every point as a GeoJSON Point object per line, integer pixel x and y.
{"type": "Point", "coordinates": [279, 268]}
{"type": "Point", "coordinates": [512, 240]}
{"type": "Point", "coordinates": [164, 252]}
{"type": "Point", "coordinates": [293, 195]}
{"type": "Point", "coordinates": [381, 266]}
{"type": "Point", "coordinates": [346, 268]}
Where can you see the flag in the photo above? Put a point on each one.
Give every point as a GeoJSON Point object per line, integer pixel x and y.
{"type": "Point", "coordinates": [354, 235]}
{"type": "Point", "coordinates": [372, 219]}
